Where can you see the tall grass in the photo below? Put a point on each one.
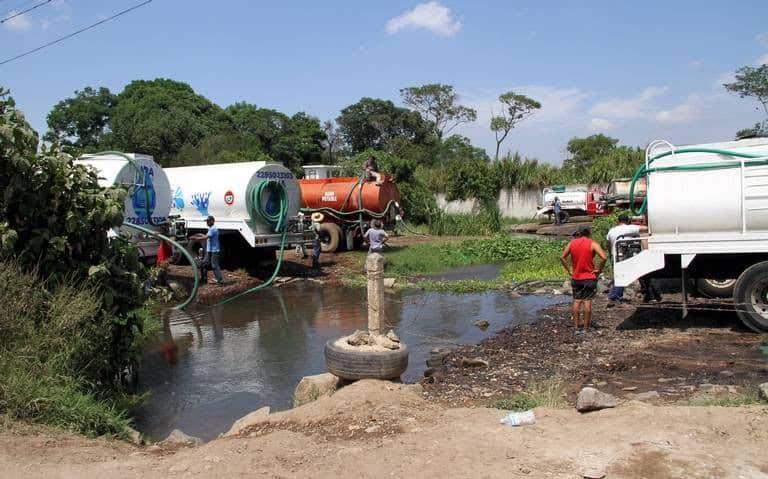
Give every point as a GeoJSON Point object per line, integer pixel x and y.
{"type": "Point", "coordinates": [46, 339]}
{"type": "Point", "coordinates": [484, 223]}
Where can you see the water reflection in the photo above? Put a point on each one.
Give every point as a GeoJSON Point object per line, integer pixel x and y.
{"type": "Point", "coordinates": [210, 367]}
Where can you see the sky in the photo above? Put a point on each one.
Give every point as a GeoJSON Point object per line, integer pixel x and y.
{"type": "Point", "coordinates": [636, 71]}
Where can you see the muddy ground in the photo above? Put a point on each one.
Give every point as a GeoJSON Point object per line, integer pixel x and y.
{"type": "Point", "coordinates": [633, 349]}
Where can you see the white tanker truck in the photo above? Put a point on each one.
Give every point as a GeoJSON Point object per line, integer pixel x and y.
{"type": "Point", "coordinates": [245, 198]}
{"type": "Point", "coordinates": [149, 194]}
{"type": "Point", "coordinates": [707, 213]}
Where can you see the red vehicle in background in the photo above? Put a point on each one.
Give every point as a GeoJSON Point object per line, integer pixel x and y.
{"type": "Point", "coordinates": [574, 201]}
{"type": "Point", "coordinates": [348, 205]}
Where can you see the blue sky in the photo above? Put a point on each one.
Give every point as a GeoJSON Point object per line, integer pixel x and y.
{"type": "Point", "coordinates": [633, 70]}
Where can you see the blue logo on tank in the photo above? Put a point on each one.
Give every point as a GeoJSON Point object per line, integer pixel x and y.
{"type": "Point", "coordinates": [200, 202]}
{"type": "Point", "coordinates": [178, 199]}
{"type": "Point", "coordinates": [143, 197]}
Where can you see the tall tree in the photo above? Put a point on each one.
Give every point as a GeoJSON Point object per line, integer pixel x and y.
{"type": "Point", "coordinates": [263, 123]}
{"type": "Point", "coordinates": [514, 109]}
{"type": "Point", "coordinates": [81, 122]}
{"type": "Point", "coordinates": [332, 138]}
{"type": "Point", "coordinates": [372, 123]}
{"type": "Point", "coordinates": [752, 82]}
{"type": "Point", "coordinates": [160, 116]}
{"type": "Point", "coordinates": [437, 103]}
{"type": "Point", "coordinates": [585, 150]}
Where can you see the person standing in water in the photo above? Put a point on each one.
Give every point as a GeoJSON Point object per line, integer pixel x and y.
{"type": "Point", "coordinates": [584, 274]}
{"type": "Point", "coordinates": [212, 251]}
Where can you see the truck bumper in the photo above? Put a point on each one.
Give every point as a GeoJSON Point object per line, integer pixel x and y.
{"type": "Point", "coordinates": [631, 269]}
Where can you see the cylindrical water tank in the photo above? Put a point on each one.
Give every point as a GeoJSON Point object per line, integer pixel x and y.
{"type": "Point", "coordinates": [149, 194]}
{"type": "Point", "coordinates": [333, 192]}
{"type": "Point", "coordinates": [708, 201]}
{"type": "Point", "coordinates": [223, 192]}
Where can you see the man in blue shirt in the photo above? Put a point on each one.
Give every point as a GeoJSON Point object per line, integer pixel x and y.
{"type": "Point", "coordinates": [212, 252]}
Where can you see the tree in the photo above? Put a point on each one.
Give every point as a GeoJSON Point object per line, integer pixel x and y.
{"type": "Point", "coordinates": [437, 104]}
{"type": "Point", "coordinates": [160, 116]}
{"type": "Point", "coordinates": [584, 150]}
{"type": "Point", "coordinates": [751, 82]}
{"type": "Point", "coordinates": [332, 138]}
{"type": "Point", "coordinates": [372, 123]}
{"type": "Point", "coordinates": [80, 123]}
{"type": "Point", "coordinates": [515, 108]}
{"type": "Point", "coordinates": [300, 143]}
{"type": "Point", "coordinates": [263, 123]}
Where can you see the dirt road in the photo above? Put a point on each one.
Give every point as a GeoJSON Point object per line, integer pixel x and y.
{"type": "Point", "coordinates": [376, 429]}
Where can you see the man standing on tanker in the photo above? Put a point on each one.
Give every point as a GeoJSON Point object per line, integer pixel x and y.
{"type": "Point", "coordinates": [371, 170]}
{"type": "Point", "coordinates": [583, 273]}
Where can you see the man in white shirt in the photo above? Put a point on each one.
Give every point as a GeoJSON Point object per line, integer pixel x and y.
{"type": "Point", "coordinates": [623, 230]}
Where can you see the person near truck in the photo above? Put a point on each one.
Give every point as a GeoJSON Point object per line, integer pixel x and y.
{"type": "Point", "coordinates": [625, 229]}
{"type": "Point", "coordinates": [582, 250]}
{"type": "Point", "coordinates": [212, 251]}
{"type": "Point", "coordinates": [557, 207]}
{"type": "Point", "coordinates": [317, 219]}
{"type": "Point", "coordinates": [376, 237]}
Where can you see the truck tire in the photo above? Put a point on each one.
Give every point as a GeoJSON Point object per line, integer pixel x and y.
{"type": "Point", "coordinates": [751, 297]}
{"type": "Point", "coordinates": [716, 288]}
{"type": "Point", "coordinates": [353, 365]}
{"type": "Point", "coordinates": [330, 237]}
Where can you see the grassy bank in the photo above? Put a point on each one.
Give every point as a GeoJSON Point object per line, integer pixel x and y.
{"type": "Point", "coordinates": [522, 260]}
{"type": "Point", "coordinates": [49, 339]}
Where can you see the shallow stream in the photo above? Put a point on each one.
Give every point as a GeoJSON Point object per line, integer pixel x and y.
{"type": "Point", "coordinates": [209, 368]}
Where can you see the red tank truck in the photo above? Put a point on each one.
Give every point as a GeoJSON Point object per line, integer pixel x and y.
{"type": "Point", "coordinates": [348, 205]}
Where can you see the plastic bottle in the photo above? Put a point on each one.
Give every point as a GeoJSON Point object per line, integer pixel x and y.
{"type": "Point", "coordinates": [522, 418]}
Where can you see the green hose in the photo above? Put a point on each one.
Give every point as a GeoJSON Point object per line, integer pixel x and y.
{"type": "Point", "coordinates": [276, 220]}
{"type": "Point", "coordinates": [643, 170]}
{"type": "Point", "coordinates": [183, 251]}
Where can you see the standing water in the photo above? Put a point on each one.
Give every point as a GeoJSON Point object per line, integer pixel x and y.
{"type": "Point", "coordinates": [211, 367]}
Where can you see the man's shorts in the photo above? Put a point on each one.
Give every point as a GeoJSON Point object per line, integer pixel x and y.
{"type": "Point", "coordinates": [584, 288]}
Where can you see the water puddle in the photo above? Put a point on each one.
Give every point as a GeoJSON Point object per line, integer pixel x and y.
{"type": "Point", "coordinates": [478, 272]}
{"type": "Point", "coordinates": [209, 368]}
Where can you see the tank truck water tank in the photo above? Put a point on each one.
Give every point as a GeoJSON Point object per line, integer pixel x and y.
{"type": "Point", "coordinates": [344, 195]}
{"type": "Point", "coordinates": [706, 201]}
{"type": "Point", "coordinates": [224, 191]}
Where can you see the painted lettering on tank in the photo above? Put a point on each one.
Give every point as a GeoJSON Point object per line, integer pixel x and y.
{"type": "Point", "coordinates": [328, 196]}
{"type": "Point", "coordinates": [274, 175]}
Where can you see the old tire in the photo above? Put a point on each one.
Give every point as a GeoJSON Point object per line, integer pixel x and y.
{"type": "Point", "coordinates": [716, 288]}
{"type": "Point", "coordinates": [330, 237]}
{"type": "Point", "coordinates": [751, 297]}
{"type": "Point", "coordinates": [353, 365]}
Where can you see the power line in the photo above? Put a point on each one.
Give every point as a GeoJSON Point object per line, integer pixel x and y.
{"type": "Point", "coordinates": [84, 29]}
{"type": "Point", "coordinates": [25, 11]}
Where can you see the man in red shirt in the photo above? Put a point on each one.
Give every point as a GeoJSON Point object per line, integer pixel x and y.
{"type": "Point", "coordinates": [583, 274]}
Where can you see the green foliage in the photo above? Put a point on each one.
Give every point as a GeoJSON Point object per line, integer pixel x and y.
{"type": "Point", "coordinates": [547, 393]}
{"type": "Point", "coordinates": [620, 162]}
{"type": "Point", "coordinates": [158, 117]}
{"type": "Point", "coordinates": [518, 402]}
{"type": "Point", "coordinates": [547, 266]}
{"type": "Point", "coordinates": [759, 130]}
{"type": "Point", "coordinates": [438, 105]}
{"type": "Point", "coordinates": [584, 151]}
{"type": "Point", "coordinates": [485, 223]}
{"type": "Point", "coordinates": [372, 123]}
{"type": "Point", "coordinates": [54, 219]}
{"type": "Point", "coordinates": [751, 82]}
{"type": "Point", "coordinates": [79, 124]}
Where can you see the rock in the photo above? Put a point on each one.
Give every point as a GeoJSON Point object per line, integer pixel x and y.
{"type": "Point", "coordinates": [178, 437]}
{"type": "Point", "coordinates": [763, 390]}
{"type": "Point", "coordinates": [629, 388]}
{"type": "Point", "coordinates": [590, 399]}
{"type": "Point", "coordinates": [244, 422]}
{"type": "Point", "coordinates": [727, 374]}
{"type": "Point", "coordinates": [437, 358]}
{"type": "Point", "coordinates": [392, 336]}
{"type": "Point", "coordinates": [372, 429]}
{"type": "Point", "coordinates": [312, 387]}
{"type": "Point", "coordinates": [482, 324]}
{"type": "Point", "coordinates": [473, 363]}
{"type": "Point", "coordinates": [359, 338]}
{"type": "Point", "coordinates": [389, 282]}
{"type": "Point", "coordinates": [593, 474]}
{"type": "Point", "coordinates": [135, 436]}
{"type": "Point", "coordinates": [386, 342]}
{"type": "Point", "coordinates": [646, 396]}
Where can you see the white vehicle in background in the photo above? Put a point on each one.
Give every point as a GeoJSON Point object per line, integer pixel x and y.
{"type": "Point", "coordinates": [707, 216]}
{"type": "Point", "coordinates": [574, 201]}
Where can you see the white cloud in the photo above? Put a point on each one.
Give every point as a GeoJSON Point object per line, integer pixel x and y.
{"type": "Point", "coordinates": [637, 107]}
{"type": "Point", "coordinates": [763, 60]}
{"type": "Point", "coordinates": [601, 124]}
{"type": "Point", "coordinates": [695, 64]}
{"type": "Point", "coordinates": [17, 23]}
{"type": "Point", "coordinates": [681, 113]}
{"type": "Point", "coordinates": [431, 16]}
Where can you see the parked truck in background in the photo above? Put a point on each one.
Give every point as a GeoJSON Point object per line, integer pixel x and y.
{"type": "Point", "coordinates": [574, 200]}
{"type": "Point", "coordinates": [706, 209]}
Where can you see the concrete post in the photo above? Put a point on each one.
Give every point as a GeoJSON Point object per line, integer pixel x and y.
{"type": "Point", "coordinates": [374, 264]}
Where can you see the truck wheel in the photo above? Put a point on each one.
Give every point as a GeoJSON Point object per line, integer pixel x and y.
{"type": "Point", "coordinates": [330, 236]}
{"type": "Point", "coordinates": [716, 288]}
{"type": "Point", "coordinates": [751, 297]}
{"type": "Point", "coordinates": [353, 365]}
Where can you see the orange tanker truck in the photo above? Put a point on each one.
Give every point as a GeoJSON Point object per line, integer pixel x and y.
{"type": "Point", "coordinates": [348, 205]}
